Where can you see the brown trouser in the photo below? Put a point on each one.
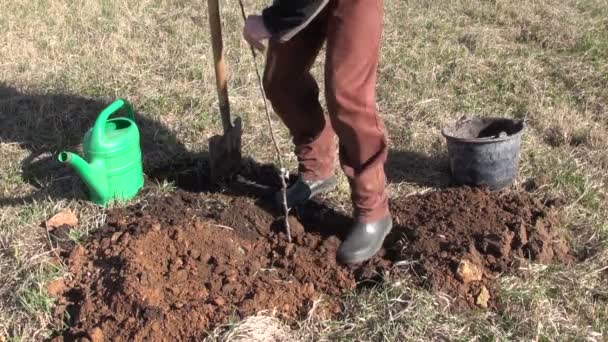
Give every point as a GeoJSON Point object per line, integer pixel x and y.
{"type": "Point", "coordinates": [353, 31]}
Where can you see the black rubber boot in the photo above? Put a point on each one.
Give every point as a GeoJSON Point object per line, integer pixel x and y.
{"type": "Point", "coordinates": [364, 241]}
{"type": "Point", "coordinates": [301, 191]}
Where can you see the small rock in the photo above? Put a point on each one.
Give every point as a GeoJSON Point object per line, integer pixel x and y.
{"type": "Point", "coordinates": [309, 289]}
{"type": "Point", "coordinates": [56, 287]}
{"type": "Point", "coordinates": [213, 286]}
{"type": "Point", "coordinates": [220, 269]}
{"type": "Point", "coordinates": [155, 227]}
{"type": "Point", "coordinates": [177, 235]}
{"type": "Point", "coordinates": [176, 264]}
{"type": "Point", "coordinates": [286, 307]}
{"type": "Point", "coordinates": [64, 217]}
{"type": "Point", "coordinates": [96, 335]}
{"type": "Point", "coordinates": [227, 288]}
{"type": "Point", "coordinates": [219, 301]}
{"type": "Point", "coordinates": [503, 134]}
{"type": "Point", "coordinates": [115, 236]}
{"type": "Point", "coordinates": [195, 254]}
{"type": "Point", "coordinates": [255, 265]}
{"type": "Point", "coordinates": [125, 238]}
{"type": "Point", "coordinates": [77, 254]}
{"type": "Point", "coordinates": [153, 313]}
{"type": "Point", "coordinates": [468, 271]}
{"type": "Point", "coordinates": [207, 258]}
{"type": "Point", "coordinates": [190, 263]}
{"type": "Point", "coordinates": [155, 326]}
{"type": "Point", "coordinates": [483, 297]}
{"type": "Point", "coordinates": [181, 276]}
{"type": "Point", "coordinates": [309, 241]}
{"type": "Point", "coordinates": [231, 272]}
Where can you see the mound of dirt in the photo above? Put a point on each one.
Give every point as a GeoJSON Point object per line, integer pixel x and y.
{"type": "Point", "coordinates": [168, 270]}
{"type": "Point", "coordinates": [464, 238]}
{"type": "Point", "coordinates": [175, 267]}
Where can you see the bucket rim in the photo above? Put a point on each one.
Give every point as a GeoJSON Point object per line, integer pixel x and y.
{"type": "Point", "coordinates": [516, 135]}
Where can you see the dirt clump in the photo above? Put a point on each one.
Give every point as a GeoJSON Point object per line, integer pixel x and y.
{"type": "Point", "coordinates": [163, 271]}
{"type": "Point", "coordinates": [175, 267]}
{"type": "Point", "coordinates": [463, 238]}
{"type": "Point", "coordinates": [55, 287]}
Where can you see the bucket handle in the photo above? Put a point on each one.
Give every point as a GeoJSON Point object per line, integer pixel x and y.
{"type": "Point", "coordinates": [100, 123]}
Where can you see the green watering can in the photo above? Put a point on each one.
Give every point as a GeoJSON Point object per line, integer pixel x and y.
{"type": "Point", "coordinates": [113, 168]}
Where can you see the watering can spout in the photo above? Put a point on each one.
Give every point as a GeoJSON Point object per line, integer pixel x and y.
{"type": "Point", "coordinates": [88, 172]}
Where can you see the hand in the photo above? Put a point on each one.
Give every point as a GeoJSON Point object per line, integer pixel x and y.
{"type": "Point", "coordinates": [255, 32]}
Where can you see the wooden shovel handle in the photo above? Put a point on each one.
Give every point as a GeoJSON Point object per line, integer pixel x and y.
{"type": "Point", "coordinates": [221, 79]}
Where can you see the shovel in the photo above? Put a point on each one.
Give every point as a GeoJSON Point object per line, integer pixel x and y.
{"type": "Point", "coordinates": [224, 150]}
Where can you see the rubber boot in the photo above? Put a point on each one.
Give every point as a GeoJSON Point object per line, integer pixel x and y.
{"type": "Point", "coordinates": [302, 190]}
{"type": "Point", "coordinates": [364, 241]}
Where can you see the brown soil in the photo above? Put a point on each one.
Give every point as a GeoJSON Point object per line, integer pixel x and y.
{"type": "Point", "coordinates": [464, 238]}
{"type": "Point", "coordinates": [177, 266]}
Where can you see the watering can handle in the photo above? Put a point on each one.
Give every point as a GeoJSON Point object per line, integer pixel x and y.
{"type": "Point", "coordinates": [100, 123]}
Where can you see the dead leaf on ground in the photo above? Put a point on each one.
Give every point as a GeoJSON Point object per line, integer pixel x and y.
{"type": "Point", "coordinates": [66, 217]}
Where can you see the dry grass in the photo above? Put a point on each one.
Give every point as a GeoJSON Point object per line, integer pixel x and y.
{"type": "Point", "coordinates": [62, 61]}
{"type": "Point", "coordinates": [263, 327]}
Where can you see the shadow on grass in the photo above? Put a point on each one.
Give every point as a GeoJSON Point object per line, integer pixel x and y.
{"type": "Point", "coordinates": [45, 124]}
{"type": "Point", "coordinates": [418, 168]}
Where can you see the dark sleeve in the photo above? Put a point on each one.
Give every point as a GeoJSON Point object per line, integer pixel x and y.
{"type": "Point", "coordinates": [285, 18]}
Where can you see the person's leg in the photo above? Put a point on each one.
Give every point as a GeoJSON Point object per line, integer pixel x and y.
{"type": "Point", "coordinates": [294, 95]}
{"type": "Point", "coordinates": [353, 46]}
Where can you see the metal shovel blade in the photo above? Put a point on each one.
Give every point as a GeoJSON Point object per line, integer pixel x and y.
{"type": "Point", "coordinates": [225, 152]}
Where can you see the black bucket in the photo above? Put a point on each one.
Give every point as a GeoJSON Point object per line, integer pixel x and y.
{"type": "Point", "coordinates": [484, 152]}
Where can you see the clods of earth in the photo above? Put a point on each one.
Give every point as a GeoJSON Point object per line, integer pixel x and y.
{"type": "Point", "coordinates": [176, 266]}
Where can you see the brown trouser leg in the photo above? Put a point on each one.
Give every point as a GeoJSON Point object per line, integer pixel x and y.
{"type": "Point", "coordinates": [294, 95]}
{"type": "Point", "coordinates": [353, 30]}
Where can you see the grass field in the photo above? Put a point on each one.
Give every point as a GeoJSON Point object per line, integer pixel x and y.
{"type": "Point", "coordinates": [61, 61]}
